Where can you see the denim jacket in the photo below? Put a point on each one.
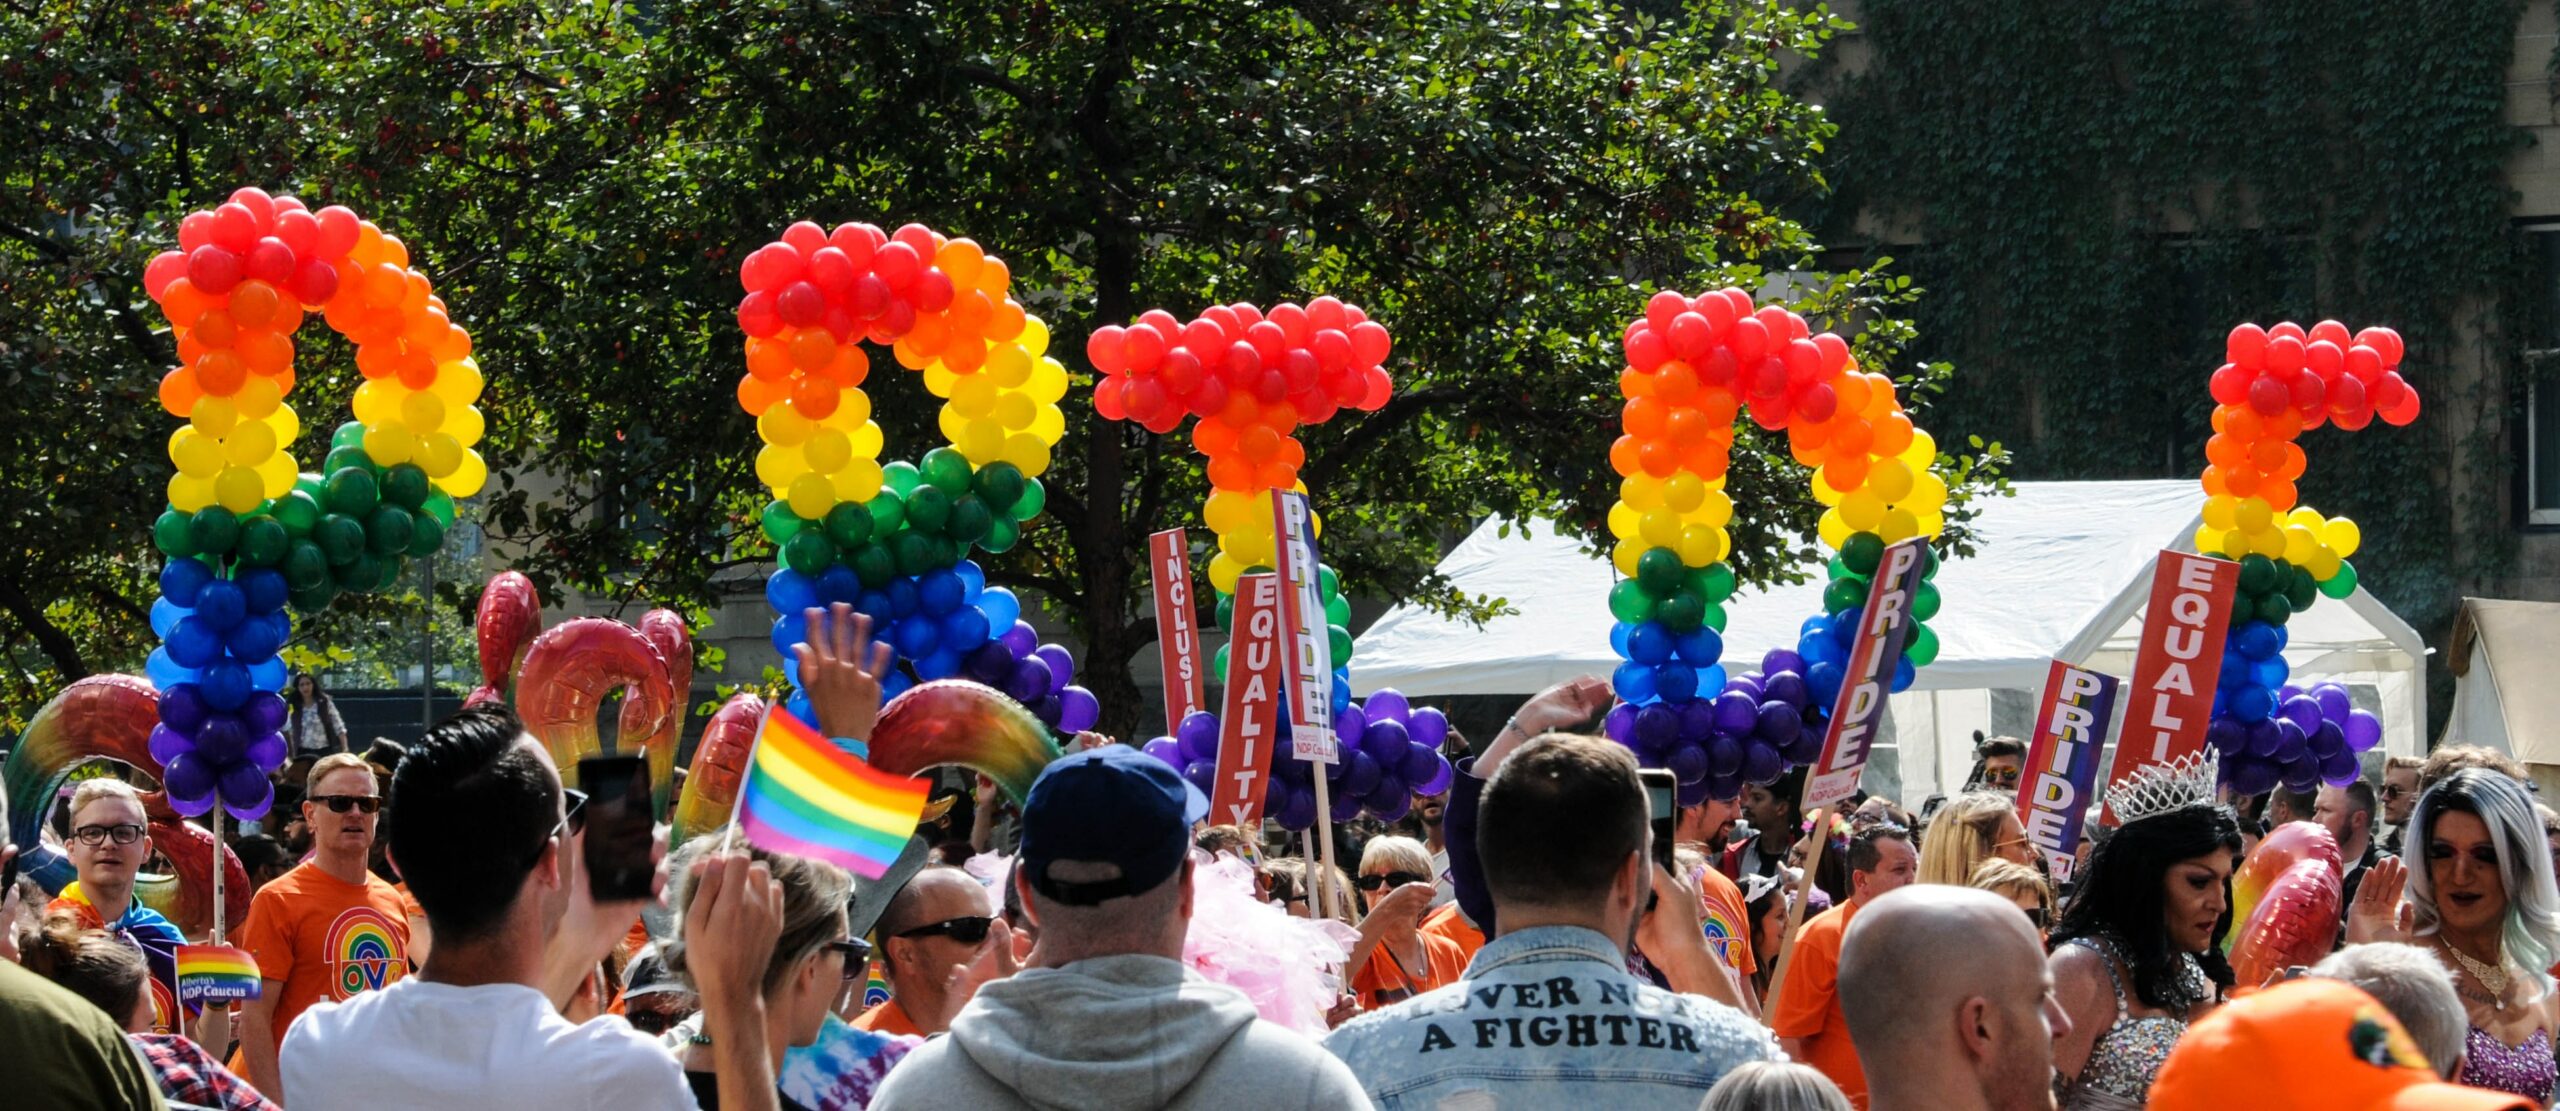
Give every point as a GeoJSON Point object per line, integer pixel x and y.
{"type": "Point", "coordinates": [1548, 1017]}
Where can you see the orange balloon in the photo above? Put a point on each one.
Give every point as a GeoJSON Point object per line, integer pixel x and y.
{"type": "Point", "coordinates": [189, 348]}
{"type": "Point", "coordinates": [2285, 425]}
{"type": "Point", "coordinates": [755, 395]}
{"type": "Point", "coordinates": [1646, 418]}
{"type": "Point", "coordinates": [1852, 390]}
{"type": "Point", "coordinates": [373, 360]}
{"type": "Point", "coordinates": [220, 373]}
{"type": "Point", "coordinates": [1214, 437]}
{"type": "Point", "coordinates": [1006, 322]}
{"type": "Point", "coordinates": [1276, 475]}
{"type": "Point", "coordinates": [2279, 493]}
{"type": "Point", "coordinates": [253, 303]}
{"type": "Point", "coordinates": [453, 346]}
{"type": "Point", "coordinates": [1709, 460]}
{"type": "Point", "coordinates": [2213, 483]}
{"type": "Point", "coordinates": [1231, 472]}
{"type": "Point", "coordinates": [265, 352]}
{"type": "Point", "coordinates": [929, 336]}
{"type": "Point", "coordinates": [1676, 383]}
{"type": "Point", "coordinates": [1259, 443]}
{"type": "Point", "coordinates": [964, 354]}
{"type": "Point", "coordinates": [850, 367]}
{"type": "Point", "coordinates": [2243, 423]}
{"type": "Point", "coordinates": [1851, 436]}
{"type": "Point", "coordinates": [215, 329]}
{"type": "Point", "coordinates": [284, 380]}
{"type": "Point", "coordinates": [183, 303]}
{"type": "Point", "coordinates": [814, 398]}
{"type": "Point", "coordinates": [179, 392]}
{"type": "Point", "coordinates": [416, 371]}
{"type": "Point", "coordinates": [1719, 405]}
{"type": "Point", "coordinates": [1808, 453]}
{"type": "Point", "coordinates": [1625, 457]}
{"type": "Point", "coordinates": [812, 349]}
{"type": "Point", "coordinates": [769, 357]}
{"type": "Point", "coordinates": [1241, 411]}
{"type": "Point", "coordinates": [1845, 472]}
{"type": "Point", "coordinates": [1659, 457]}
{"type": "Point", "coordinates": [1892, 434]}
{"type": "Point", "coordinates": [1686, 427]}
{"type": "Point", "coordinates": [2292, 466]}
{"type": "Point", "coordinates": [2222, 450]}
{"type": "Point", "coordinates": [385, 286]}
{"type": "Point", "coordinates": [1879, 396]}
{"type": "Point", "coordinates": [1633, 383]}
{"type": "Point", "coordinates": [2240, 481]}
{"type": "Point", "coordinates": [994, 277]}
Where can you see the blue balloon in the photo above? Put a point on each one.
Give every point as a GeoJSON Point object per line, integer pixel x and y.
{"type": "Point", "coordinates": [877, 604]}
{"type": "Point", "coordinates": [2252, 703]}
{"type": "Point", "coordinates": [1821, 649]}
{"type": "Point", "coordinates": [226, 686]}
{"type": "Point", "coordinates": [1700, 647]}
{"type": "Point", "coordinates": [1341, 693]}
{"type": "Point", "coordinates": [264, 590]}
{"type": "Point", "coordinates": [1675, 682]}
{"type": "Point", "coordinates": [2256, 640]}
{"type": "Point", "coordinates": [221, 605]}
{"type": "Point", "coordinates": [180, 579]}
{"type": "Point", "coordinates": [1844, 626]}
{"type": "Point", "coordinates": [837, 584]}
{"type": "Point", "coordinates": [973, 578]}
{"type": "Point", "coordinates": [941, 663]}
{"type": "Point", "coordinates": [2269, 673]}
{"type": "Point", "coordinates": [2235, 673]}
{"type": "Point", "coordinates": [1002, 608]}
{"type": "Point", "coordinates": [164, 672]}
{"type": "Point", "coordinates": [1619, 640]}
{"type": "Point", "coordinates": [941, 592]}
{"type": "Point", "coordinates": [1825, 679]}
{"type": "Point", "coordinates": [894, 684]}
{"type": "Point", "coordinates": [1903, 674]}
{"type": "Point", "coordinates": [1651, 644]}
{"type": "Point", "coordinates": [267, 675]}
{"type": "Point", "coordinates": [257, 638]}
{"type": "Point", "coordinates": [1817, 625]}
{"type": "Point", "coordinates": [918, 635]}
{"type": "Point", "coordinates": [904, 599]}
{"type": "Point", "coordinates": [963, 630]}
{"type": "Point", "coordinates": [165, 615]}
{"type": "Point", "coordinates": [195, 643]}
{"type": "Point", "coordinates": [1634, 683]}
{"type": "Point", "coordinates": [789, 629]}
{"type": "Point", "coordinates": [791, 670]}
{"type": "Point", "coordinates": [799, 706]}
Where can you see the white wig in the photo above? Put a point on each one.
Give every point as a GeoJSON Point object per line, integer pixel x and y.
{"type": "Point", "coordinates": [2532, 934]}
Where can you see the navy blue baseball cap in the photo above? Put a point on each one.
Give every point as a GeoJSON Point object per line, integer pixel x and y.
{"type": "Point", "coordinates": [1109, 805]}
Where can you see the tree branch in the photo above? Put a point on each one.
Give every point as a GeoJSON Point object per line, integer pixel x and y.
{"type": "Point", "coordinates": [50, 638]}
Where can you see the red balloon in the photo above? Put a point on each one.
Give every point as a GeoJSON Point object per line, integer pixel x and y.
{"type": "Point", "coordinates": [858, 242]}
{"type": "Point", "coordinates": [1380, 388]}
{"type": "Point", "coordinates": [1107, 400]}
{"type": "Point", "coordinates": [898, 265]}
{"type": "Point", "coordinates": [269, 261]}
{"type": "Point", "coordinates": [235, 228]}
{"type": "Point", "coordinates": [1720, 313]}
{"type": "Point", "coordinates": [2406, 412]}
{"type": "Point", "coordinates": [1211, 396]}
{"type": "Point", "coordinates": [1268, 341]}
{"type": "Point", "coordinates": [314, 282]}
{"type": "Point", "coordinates": [756, 315]}
{"type": "Point", "coordinates": [213, 270]}
{"type": "Point", "coordinates": [2230, 385]}
{"type": "Point", "coordinates": [2363, 363]}
{"type": "Point", "coordinates": [2309, 394]}
{"type": "Point", "coordinates": [1768, 376]}
{"type": "Point", "coordinates": [2268, 396]}
{"type": "Point", "coordinates": [2386, 392]}
{"type": "Point", "coordinates": [1835, 353]}
{"type": "Point", "coordinates": [800, 304]}
{"type": "Point", "coordinates": [1749, 340]}
{"type": "Point", "coordinates": [1817, 402]}
{"type": "Point", "coordinates": [805, 238]}
{"type": "Point", "coordinates": [2294, 923]}
{"type": "Point", "coordinates": [196, 230]}
{"type": "Point", "coordinates": [1146, 348]}
{"type": "Point", "coordinates": [833, 272]}
{"type": "Point", "coordinates": [1326, 314]}
{"type": "Point", "coordinates": [2330, 331]}
{"type": "Point", "coordinates": [871, 299]}
{"type": "Point", "coordinates": [933, 291]}
{"type": "Point", "coordinates": [164, 268]}
{"type": "Point", "coordinates": [2246, 347]}
{"type": "Point", "coordinates": [1292, 321]}
{"type": "Point", "coordinates": [2289, 330]}
{"type": "Point", "coordinates": [2284, 355]}
{"type": "Point", "coordinates": [1370, 345]}
{"type": "Point", "coordinates": [1662, 307]}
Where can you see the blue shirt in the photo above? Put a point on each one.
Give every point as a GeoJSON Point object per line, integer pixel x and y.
{"type": "Point", "coordinates": [1545, 1017]}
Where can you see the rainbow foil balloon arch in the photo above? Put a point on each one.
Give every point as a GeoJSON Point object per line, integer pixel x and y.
{"type": "Point", "coordinates": [1253, 378]}
{"type": "Point", "coordinates": [893, 541]}
{"type": "Point", "coordinates": [245, 533]}
{"type": "Point", "coordinates": [1693, 365]}
{"type": "Point", "coordinates": [2276, 384]}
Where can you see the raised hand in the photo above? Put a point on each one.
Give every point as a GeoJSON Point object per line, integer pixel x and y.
{"type": "Point", "coordinates": [2378, 914]}
{"type": "Point", "coordinates": [840, 667]}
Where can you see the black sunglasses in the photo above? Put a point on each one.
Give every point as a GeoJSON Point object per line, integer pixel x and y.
{"type": "Point", "coordinates": [857, 956]}
{"type": "Point", "coordinates": [1390, 879]}
{"type": "Point", "coordinates": [653, 1022]}
{"type": "Point", "coordinates": [967, 930]}
{"type": "Point", "coordinates": [344, 803]}
{"type": "Point", "coordinates": [574, 817]}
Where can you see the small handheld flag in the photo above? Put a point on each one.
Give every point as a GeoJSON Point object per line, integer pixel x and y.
{"type": "Point", "coordinates": [806, 797]}
{"type": "Point", "coordinates": [215, 974]}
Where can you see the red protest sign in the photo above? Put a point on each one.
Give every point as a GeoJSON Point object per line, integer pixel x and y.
{"type": "Point", "coordinates": [2178, 662]}
{"type": "Point", "coordinates": [1253, 696]}
{"type": "Point", "coordinates": [1884, 623]}
{"type": "Point", "coordinates": [1177, 626]}
{"type": "Point", "coordinates": [2074, 718]}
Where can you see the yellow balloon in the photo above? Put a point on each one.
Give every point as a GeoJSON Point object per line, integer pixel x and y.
{"type": "Point", "coordinates": [853, 410]}
{"type": "Point", "coordinates": [1008, 365]}
{"type": "Point", "coordinates": [1922, 455]}
{"type": "Point", "coordinates": [827, 451]}
{"type": "Point", "coordinates": [1625, 522]}
{"type": "Point", "coordinates": [1890, 480]}
{"type": "Point", "coordinates": [466, 479]}
{"type": "Point", "coordinates": [2306, 517]}
{"type": "Point", "coordinates": [939, 380]}
{"type": "Point", "coordinates": [2252, 515]}
{"type": "Point", "coordinates": [983, 441]}
{"type": "Point", "coordinates": [214, 416]}
{"type": "Point", "coordinates": [238, 489]}
{"type": "Point", "coordinates": [188, 493]}
{"type": "Point", "coordinates": [1899, 525]}
{"type": "Point", "coordinates": [1835, 531]}
{"type": "Point", "coordinates": [1932, 522]}
{"type": "Point", "coordinates": [1625, 555]}
{"type": "Point", "coordinates": [1641, 491]}
{"type": "Point", "coordinates": [196, 454]}
{"type": "Point", "coordinates": [1683, 492]}
{"type": "Point", "coordinates": [1823, 491]}
{"type": "Point", "coordinates": [1715, 510]}
{"type": "Point", "coordinates": [975, 396]}
{"type": "Point", "coordinates": [1048, 382]}
{"type": "Point", "coordinates": [466, 425]}
{"type": "Point", "coordinates": [859, 481]}
{"type": "Point", "coordinates": [2324, 564]}
{"type": "Point", "coordinates": [2342, 535]}
{"type": "Point", "coordinates": [250, 443]}
{"type": "Point", "coordinates": [390, 445]}
{"type": "Point", "coordinates": [1698, 545]}
{"type": "Point", "coordinates": [1223, 573]}
{"type": "Point", "coordinates": [1226, 510]}
{"type": "Point", "coordinates": [1034, 339]}
{"type": "Point", "coordinates": [285, 423]}
{"type": "Point", "coordinates": [1015, 411]}
{"type": "Point", "coordinates": [2299, 544]}
{"type": "Point", "coordinates": [2220, 514]}
{"type": "Point", "coordinates": [2209, 539]}
{"type": "Point", "coordinates": [439, 453]}
{"type": "Point", "coordinates": [276, 475]}
{"type": "Point", "coordinates": [457, 382]}
{"type": "Point", "coordinates": [1862, 509]}
{"type": "Point", "coordinates": [1027, 453]}
{"type": "Point", "coordinates": [376, 402]}
{"type": "Point", "coordinates": [2235, 544]}
{"type": "Point", "coordinates": [783, 426]}
{"type": "Point", "coordinates": [2268, 542]}
{"type": "Point", "coordinates": [777, 466]}
{"type": "Point", "coordinates": [1049, 425]}
{"type": "Point", "coordinates": [422, 410]}
{"type": "Point", "coordinates": [812, 496]}
{"type": "Point", "coordinates": [1928, 495]}
{"type": "Point", "coordinates": [257, 397]}
{"type": "Point", "coordinates": [866, 441]}
{"type": "Point", "coordinates": [950, 421]}
{"type": "Point", "coordinates": [1660, 528]}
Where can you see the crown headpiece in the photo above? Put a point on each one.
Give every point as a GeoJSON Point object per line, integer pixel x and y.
{"type": "Point", "coordinates": [2159, 788]}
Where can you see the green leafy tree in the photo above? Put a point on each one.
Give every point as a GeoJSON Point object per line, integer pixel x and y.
{"type": "Point", "coordinates": [1500, 183]}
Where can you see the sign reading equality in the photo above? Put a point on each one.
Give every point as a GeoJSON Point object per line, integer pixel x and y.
{"type": "Point", "coordinates": [1253, 695]}
{"type": "Point", "coordinates": [1858, 715]}
{"type": "Point", "coordinates": [2074, 718]}
{"type": "Point", "coordinates": [2178, 662]}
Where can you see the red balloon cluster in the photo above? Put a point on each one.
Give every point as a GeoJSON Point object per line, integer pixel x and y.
{"type": "Point", "coordinates": [1251, 377]}
{"type": "Point", "coordinates": [1693, 364]}
{"type": "Point", "coordinates": [2293, 381]}
{"type": "Point", "coordinates": [815, 293]}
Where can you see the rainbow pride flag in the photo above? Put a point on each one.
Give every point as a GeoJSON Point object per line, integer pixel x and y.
{"type": "Point", "coordinates": [806, 797]}
{"type": "Point", "coordinates": [216, 974]}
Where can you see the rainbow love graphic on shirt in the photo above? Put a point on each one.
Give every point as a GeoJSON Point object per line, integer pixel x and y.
{"type": "Point", "coordinates": [365, 952]}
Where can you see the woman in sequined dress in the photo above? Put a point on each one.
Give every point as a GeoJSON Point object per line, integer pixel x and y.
{"type": "Point", "coordinates": [2484, 901]}
{"type": "Point", "coordinates": [2137, 954]}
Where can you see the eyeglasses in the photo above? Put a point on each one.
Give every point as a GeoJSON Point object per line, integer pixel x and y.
{"type": "Point", "coordinates": [2394, 790]}
{"type": "Point", "coordinates": [344, 803]}
{"type": "Point", "coordinates": [1390, 879]}
{"type": "Point", "coordinates": [94, 836]}
{"type": "Point", "coordinates": [653, 1021]}
{"type": "Point", "coordinates": [2000, 777]}
{"type": "Point", "coordinates": [573, 817]}
{"type": "Point", "coordinates": [967, 930]}
{"type": "Point", "coordinates": [2036, 916]}
{"type": "Point", "coordinates": [857, 955]}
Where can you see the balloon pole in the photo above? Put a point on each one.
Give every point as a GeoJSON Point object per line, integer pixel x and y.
{"type": "Point", "coordinates": [1320, 849]}
{"type": "Point", "coordinates": [1795, 912]}
{"type": "Point", "coordinates": [216, 813]}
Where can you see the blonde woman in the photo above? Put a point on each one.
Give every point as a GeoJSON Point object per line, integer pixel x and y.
{"type": "Point", "coordinates": [1394, 960]}
{"type": "Point", "coordinates": [2020, 884]}
{"type": "Point", "coordinates": [1971, 829]}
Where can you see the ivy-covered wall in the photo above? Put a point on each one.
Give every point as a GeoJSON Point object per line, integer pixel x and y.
{"type": "Point", "coordinates": [2092, 194]}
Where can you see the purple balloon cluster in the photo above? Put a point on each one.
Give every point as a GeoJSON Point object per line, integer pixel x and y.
{"type": "Point", "coordinates": [1040, 676]}
{"type": "Point", "coordinates": [1390, 752]}
{"type": "Point", "coordinates": [2313, 737]}
{"type": "Point", "coordinates": [1752, 731]}
{"type": "Point", "coordinates": [221, 721]}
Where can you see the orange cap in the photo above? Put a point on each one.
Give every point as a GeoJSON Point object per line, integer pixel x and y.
{"type": "Point", "coordinates": [2311, 1044]}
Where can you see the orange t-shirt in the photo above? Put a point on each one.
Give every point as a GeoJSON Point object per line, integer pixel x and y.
{"type": "Point", "coordinates": [1727, 921]}
{"type": "Point", "coordinates": [325, 938]}
{"type": "Point", "coordinates": [887, 1018]}
{"type": "Point", "coordinates": [1809, 1004]}
{"type": "Point", "coordinates": [1449, 923]}
{"type": "Point", "coordinates": [1383, 983]}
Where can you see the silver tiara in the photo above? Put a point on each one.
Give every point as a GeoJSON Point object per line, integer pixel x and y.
{"type": "Point", "coordinates": [2159, 788]}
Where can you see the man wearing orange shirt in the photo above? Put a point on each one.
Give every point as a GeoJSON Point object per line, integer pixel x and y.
{"type": "Point", "coordinates": [942, 919]}
{"type": "Point", "coordinates": [328, 929]}
{"type": "Point", "coordinates": [1807, 1017]}
{"type": "Point", "coordinates": [1451, 923]}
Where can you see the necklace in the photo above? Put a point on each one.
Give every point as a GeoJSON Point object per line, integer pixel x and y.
{"type": "Point", "coordinates": [2493, 978]}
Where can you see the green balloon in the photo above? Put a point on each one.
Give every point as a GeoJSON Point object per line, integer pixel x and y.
{"type": "Point", "coordinates": [970, 519]}
{"type": "Point", "coordinates": [214, 530]}
{"type": "Point", "coordinates": [1002, 535]}
{"type": "Point", "coordinates": [1843, 593]}
{"type": "Point", "coordinates": [1714, 582]}
{"type": "Point", "coordinates": [1840, 570]}
{"type": "Point", "coordinates": [1924, 601]}
{"type": "Point", "coordinates": [339, 536]}
{"type": "Point", "coordinates": [929, 508]}
{"type": "Point", "coordinates": [1226, 612]}
{"type": "Point", "coordinates": [1861, 552]}
{"type": "Point", "coordinates": [316, 597]}
{"type": "Point", "coordinates": [2243, 610]}
{"type": "Point", "coordinates": [1712, 616]}
{"type": "Point", "coordinates": [915, 551]}
{"type": "Point", "coordinates": [888, 512]}
{"type": "Point", "coordinates": [1338, 639]}
{"type": "Point", "coordinates": [1329, 584]}
{"type": "Point", "coordinates": [2274, 608]}
{"type": "Point", "coordinates": [348, 435]}
{"type": "Point", "coordinates": [2300, 588]}
{"type": "Point", "coordinates": [849, 524]}
{"type": "Point", "coordinates": [901, 476]}
{"type": "Point", "coordinates": [172, 534]}
{"type": "Point", "coordinates": [392, 568]}
{"type": "Point", "coordinates": [1218, 663]}
{"type": "Point", "coordinates": [875, 565]}
{"type": "Point", "coordinates": [1000, 483]}
{"type": "Point", "coordinates": [947, 470]}
{"type": "Point", "coordinates": [2341, 584]}
{"type": "Point", "coordinates": [1661, 573]}
{"type": "Point", "coordinates": [1035, 497]}
{"type": "Point", "coordinates": [315, 485]}
{"type": "Point", "coordinates": [305, 567]}
{"type": "Point", "coordinates": [387, 531]}
{"type": "Point", "coordinates": [298, 510]}
{"type": "Point", "coordinates": [1337, 610]}
{"type": "Point", "coordinates": [425, 535]}
{"type": "Point", "coordinates": [2257, 574]}
{"type": "Point", "coordinates": [1680, 612]}
{"type": "Point", "coordinates": [1627, 602]}
{"type": "Point", "coordinates": [340, 459]}
{"type": "Point", "coordinates": [1923, 648]}
{"type": "Point", "coordinates": [353, 491]}
{"type": "Point", "coordinates": [405, 485]}
{"type": "Point", "coordinates": [808, 551]}
{"type": "Point", "coordinates": [263, 541]}
{"type": "Point", "coordinates": [440, 506]}
{"type": "Point", "coordinates": [358, 573]}
{"type": "Point", "coordinates": [779, 521]}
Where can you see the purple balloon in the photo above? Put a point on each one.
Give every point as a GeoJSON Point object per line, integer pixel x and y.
{"type": "Point", "coordinates": [2302, 773]}
{"type": "Point", "coordinates": [1693, 794]}
{"type": "Point", "coordinates": [1202, 774]}
{"type": "Point", "coordinates": [1078, 710]}
{"type": "Point", "coordinates": [1350, 725]}
{"type": "Point", "coordinates": [1746, 683]}
{"type": "Point", "coordinates": [1346, 807]}
{"type": "Point", "coordinates": [1779, 723]}
{"type": "Point", "coordinates": [1062, 666]}
{"type": "Point", "coordinates": [1689, 763]}
{"type": "Point", "coordinates": [1437, 782]}
{"type": "Point", "coordinates": [1030, 680]}
{"type": "Point", "coordinates": [190, 783]}
{"type": "Point", "coordinates": [2264, 740]}
{"type": "Point", "coordinates": [1724, 787]}
{"type": "Point", "coordinates": [1392, 808]}
{"type": "Point", "coordinates": [264, 713]}
{"type": "Point", "coordinates": [1760, 763]}
{"type": "Point", "coordinates": [1199, 729]}
{"type": "Point", "coordinates": [223, 741]}
{"type": "Point", "coordinates": [2331, 737]}
{"type": "Point", "coordinates": [1195, 746]}
{"type": "Point", "coordinates": [1047, 709]}
{"type": "Point", "coordinates": [1166, 749]}
{"type": "Point", "coordinates": [167, 744]}
{"type": "Point", "coordinates": [1290, 769]}
{"type": "Point", "coordinates": [245, 790]}
{"type": "Point", "coordinates": [2226, 736]}
{"type": "Point", "coordinates": [2250, 775]}
{"type": "Point", "coordinates": [1419, 760]}
{"type": "Point", "coordinates": [1697, 721]}
{"type": "Point", "coordinates": [1724, 756]}
{"type": "Point", "coordinates": [2302, 712]}
{"type": "Point", "coordinates": [2337, 769]}
{"type": "Point", "coordinates": [1021, 639]}
{"type": "Point", "coordinates": [1429, 726]}
{"type": "Point", "coordinates": [2364, 730]}
{"type": "Point", "coordinates": [1386, 740]}
{"type": "Point", "coordinates": [1620, 725]}
{"type": "Point", "coordinates": [1388, 705]}
{"type": "Point", "coordinates": [1390, 786]}
{"type": "Point", "coordinates": [1657, 727]}
{"type": "Point", "coordinates": [1300, 811]}
{"type": "Point", "coordinates": [1781, 659]}
{"type": "Point", "coordinates": [268, 752]}
{"type": "Point", "coordinates": [2292, 743]}
{"type": "Point", "coordinates": [1736, 713]}
{"type": "Point", "coordinates": [990, 663]}
{"type": "Point", "coordinates": [1360, 773]}
{"type": "Point", "coordinates": [2335, 702]}
{"type": "Point", "coordinates": [1805, 749]}
{"type": "Point", "coordinates": [182, 708]}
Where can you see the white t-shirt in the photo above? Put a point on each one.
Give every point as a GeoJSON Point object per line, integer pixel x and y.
{"type": "Point", "coordinates": [438, 1047]}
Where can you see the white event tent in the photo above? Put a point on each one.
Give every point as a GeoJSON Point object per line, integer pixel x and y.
{"type": "Point", "coordinates": [2062, 570]}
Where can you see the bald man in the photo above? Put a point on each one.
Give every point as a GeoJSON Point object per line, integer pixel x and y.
{"type": "Point", "coordinates": [942, 919]}
{"type": "Point", "coordinates": [1949, 1002]}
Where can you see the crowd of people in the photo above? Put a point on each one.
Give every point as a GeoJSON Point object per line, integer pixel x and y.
{"type": "Point", "coordinates": [431, 942]}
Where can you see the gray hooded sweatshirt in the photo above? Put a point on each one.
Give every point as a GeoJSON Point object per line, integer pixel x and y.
{"type": "Point", "coordinates": [1113, 1033]}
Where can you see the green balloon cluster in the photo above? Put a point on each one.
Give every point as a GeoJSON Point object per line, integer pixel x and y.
{"type": "Point", "coordinates": [1337, 619]}
{"type": "Point", "coordinates": [2273, 589]}
{"type": "Point", "coordinates": [353, 528]}
{"type": "Point", "coordinates": [1665, 590]}
{"type": "Point", "coordinates": [1852, 575]}
{"type": "Point", "coordinates": [926, 517]}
